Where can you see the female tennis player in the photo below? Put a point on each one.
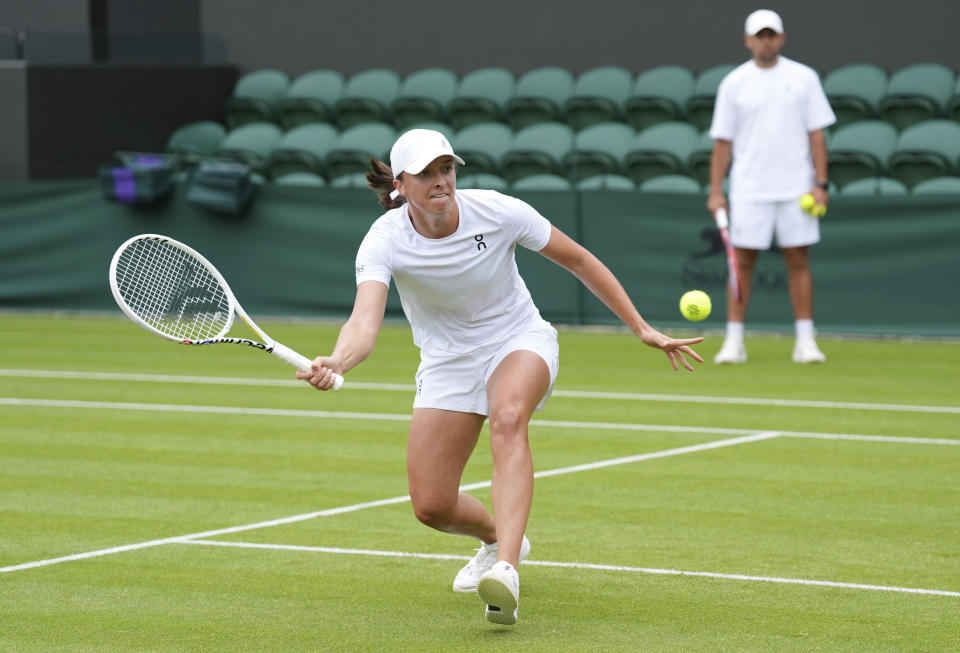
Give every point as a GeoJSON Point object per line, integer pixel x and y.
{"type": "Point", "coordinates": [485, 352]}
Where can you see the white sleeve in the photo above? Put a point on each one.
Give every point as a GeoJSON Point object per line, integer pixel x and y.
{"type": "Point", "coordinates": [373, 261]}
{"type": "Point", "coordinates": [527, 226]}
{"type": "Point", "coordinates": [819, 112]}
{"type": "Point", "coordinates": [724, 124]}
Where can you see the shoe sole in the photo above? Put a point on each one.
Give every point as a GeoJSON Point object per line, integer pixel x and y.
{"type": "Point", "coordinates": [500, 601]}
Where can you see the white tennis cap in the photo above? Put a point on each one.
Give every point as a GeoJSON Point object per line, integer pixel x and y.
{"type": "Point", "coordinates": [763, 19]}
{"type": "Point", "coordinates": [417, 148]}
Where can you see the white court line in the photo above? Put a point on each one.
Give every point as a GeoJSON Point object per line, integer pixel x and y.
{"type": "Point", "coordinates": [582, 565]}
{"type": "Point", "coordinates": [401, 387]}
{"type": "Point", "coordinates": [405, 417]}
{"type": "Point", "coordinates": [374, 504]}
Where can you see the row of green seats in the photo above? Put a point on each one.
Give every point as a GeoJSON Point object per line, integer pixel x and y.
{"type": "Point", "coordinates": [611, 182]}
{"type": "Point", "coordinates": [865, 149]}
{"type": "Point", "coordinates": [554, 94]}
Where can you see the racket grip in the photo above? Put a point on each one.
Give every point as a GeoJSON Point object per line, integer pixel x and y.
{"type": "Point", "coordinates": [301, 362]}
{"type": "Point", "coordinates": [721, 217]}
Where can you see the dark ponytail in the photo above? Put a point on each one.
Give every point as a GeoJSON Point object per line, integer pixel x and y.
{"type": "Point", "coordinates": [380, 179]}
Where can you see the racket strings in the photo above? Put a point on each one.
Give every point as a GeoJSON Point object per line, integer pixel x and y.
{"type": "Point", "coordinates": [172, 291]}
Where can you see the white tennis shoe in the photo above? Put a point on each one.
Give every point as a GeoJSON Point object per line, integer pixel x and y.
{"type": "Point", "coordinates": [806, 351]}
{"type": "Point", "coordinates": [500, 590]}
{"type": "Point", "coordinates": [732, 352]}
{"type": "Point", "coordinates": [468, 577]}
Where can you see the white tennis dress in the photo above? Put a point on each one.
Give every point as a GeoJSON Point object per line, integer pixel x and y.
{"type": "Point", "coordinates": [462, 294]}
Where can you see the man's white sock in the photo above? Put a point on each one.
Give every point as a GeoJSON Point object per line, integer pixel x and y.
{"type": "Point", "coordinates": [804, 329]}
{"type": "Point", "coordinates": [735, 331]}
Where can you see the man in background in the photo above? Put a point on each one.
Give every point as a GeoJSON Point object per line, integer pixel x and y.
{"type": "Point", "coordinates": [769, 118]}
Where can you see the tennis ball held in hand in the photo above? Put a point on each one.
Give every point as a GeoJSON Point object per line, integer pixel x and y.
{"type": "Point", "coordinates": [809, 204]}
{"type": "Point", "coordinates": [695, 305]}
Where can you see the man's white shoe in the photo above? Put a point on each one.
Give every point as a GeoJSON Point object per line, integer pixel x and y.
{"type": "Point", "coordinates": [470, 575]}
{"type": "Point", "coordinates": [806, 351]}
{"type": "Point", "coordinates": [731, 353]}
{"type": "Point", "coordinates": [500, 590]}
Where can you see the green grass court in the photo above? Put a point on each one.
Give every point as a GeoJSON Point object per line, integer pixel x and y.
{"type": "Point", "coordinates": [155, 497]}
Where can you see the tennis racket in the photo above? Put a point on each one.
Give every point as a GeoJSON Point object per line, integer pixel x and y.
{"type": "Point", "coordinates": [172, 291]}
{"type": "Point", "coordinates": [733, 270]}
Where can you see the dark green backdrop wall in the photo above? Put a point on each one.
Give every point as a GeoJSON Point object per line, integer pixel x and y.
{"type": "Point", "coordinates": [886, 265]}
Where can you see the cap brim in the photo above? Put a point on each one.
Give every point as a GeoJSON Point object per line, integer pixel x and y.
{"type": "Point", "coordinates": [416, 167]}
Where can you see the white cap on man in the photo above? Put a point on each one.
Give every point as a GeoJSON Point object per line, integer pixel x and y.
{"type": "Point", "coordinates": [763, 19]}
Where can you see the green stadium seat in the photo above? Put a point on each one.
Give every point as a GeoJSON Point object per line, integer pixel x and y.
{"type": "Point", "coordinates": [311, 98]}
{"type": "Point", "coordinates": [484, 181]}
{"type": "Point", "coordinates": [607, 182]}
{"type": "Point", "coordinates": [537, 149]}
{"type": "Point", "coordinates": [256, 98]}
{"type": "Point", "coordinates": [542, 181]}
{"type": "Point", "coordinates": [303, 149]}
{"type": "Point", "coordinates": [598, 96]}
{"type": "Point", "coordinates": [354, 147]}
{"type": "Point", "coordinates": [539, 97]}
{"type": "Point", "coordinates": [352, 180]}
{"type": "Point", "coordinates": [662, 149]}
{"type": "Point", "coordinates": [482, 97]}
{"type": "Point", "coordinates": [874, 186]}
{"type": "Point", "coordinates": [599, 149]}
{"type": "Point", "coordinates": [482, 146]}
{"type": "Point", "coordinates": [367, 97]}
{"type": "Point", "coordinates": [301, 179]}
{"type": "Point", "coordinates": [917, 93]}
{"type": "Point", "coordinates": [860, 150]}
{"type": "Point", "coordinates": [671, 184]}
{"type": "Point", "coordinates": [953, 106]}
{"type": "Point", "coordinates": [659, 95]}
{"type": "Point", "coordinates": [196, 141]}
{"type": "Point", "coordinates": [855, 91]}
{"type": "Point", "coordinates": [698, 163]}
{"type": "Point", "coordinates": [700, 103]}
{"type": "Point", "coordinates": [424, 96]}
{"type": "Point", "coordinates": [926, 150]}
{"type": "Point", "coordinates": [937, 186]}
{"type": "Point", "coordinates": [251, 144]}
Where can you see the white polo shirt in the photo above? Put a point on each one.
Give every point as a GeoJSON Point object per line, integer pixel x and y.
{"type": "Point", "coordinates": [769, 113]}
{"type": "Point", "coordinates": [461, 292]}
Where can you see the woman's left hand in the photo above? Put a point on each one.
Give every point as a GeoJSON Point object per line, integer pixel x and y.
{"type": "Point", "coordinates": [675, 349]}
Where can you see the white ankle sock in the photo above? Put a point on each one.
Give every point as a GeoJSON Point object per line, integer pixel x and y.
{"type": "Point", "coordinates": [804, 329]}
{"type": "Point", "coordinates": [735, 331]}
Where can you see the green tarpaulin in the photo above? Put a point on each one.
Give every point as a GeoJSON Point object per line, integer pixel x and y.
{"type": "Point", "coordinates": [887, 265]}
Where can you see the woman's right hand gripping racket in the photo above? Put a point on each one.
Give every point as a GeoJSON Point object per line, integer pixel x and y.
{"type": "Point", "coordinates": [733, 270]}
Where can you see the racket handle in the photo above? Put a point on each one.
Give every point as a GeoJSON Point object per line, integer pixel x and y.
{"type": "Point", "coordinates": [301, 362]}
{"type": "Point", "coordinates": [721, 217]}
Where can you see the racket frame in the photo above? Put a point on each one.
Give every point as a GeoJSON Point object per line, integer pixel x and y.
{"type": "Point", "coordinates": [268, 344]}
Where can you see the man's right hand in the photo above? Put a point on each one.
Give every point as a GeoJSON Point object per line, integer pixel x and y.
{"type": "Point", "coordinates": [716, 200]}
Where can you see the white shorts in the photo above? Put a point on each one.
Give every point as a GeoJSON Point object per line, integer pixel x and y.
{"type": "Point", "coordinates": [753, 224]}
{"type": "Point", "coordinates": [458, 382]}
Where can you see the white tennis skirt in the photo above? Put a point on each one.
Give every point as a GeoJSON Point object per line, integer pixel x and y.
{"type": "Point", "coordinates": [458, 382]}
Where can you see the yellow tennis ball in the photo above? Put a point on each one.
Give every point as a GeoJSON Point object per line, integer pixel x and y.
{"type": "Point", "coordinates": [807, 202]}
{"type": "Point", "coordinates": [819, 210]}
{"type": "Point", "coordinates": [695, 305]}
